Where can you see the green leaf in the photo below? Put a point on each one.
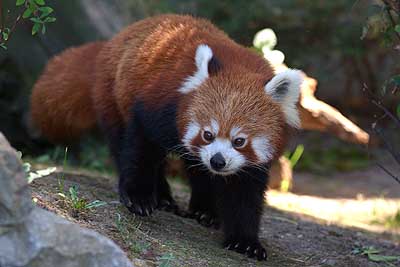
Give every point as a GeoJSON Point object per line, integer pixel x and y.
{"type": "Point", "coordinates": [40, 2]}
{"type": "Point", "coordinates": [36, 28]}
{"type": "Point", "coordinates": [5, 35]}
{"type": "Point", "coordinates": [2, 45]}
{"type": "Point", "coordinates": [95, 204]}
{"type": "Point", "coordinates": [382, 258]}
{"type": "Point", "coordinates": [50, 19]}
{"type": "Point", "coordinates": [43, 29]}
{"type": "Point", "coordinates": [397, 28]}
{"type": "Point", "coordinates": [73, 192]}
{"type": "Point", "coordinates": [369, 251]}
{"type": "Point", "coordinates": [27, 13]}
{"type": "Point", "coordinates": [45, 11]}
{"type": "Point", "coordinates": [20, 2]}
{"type": "Point", "coordinates": [398, 110]}
{"type": "Point", "coordinates": [36, 20]}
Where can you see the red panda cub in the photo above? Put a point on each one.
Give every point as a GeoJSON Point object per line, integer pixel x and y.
{"type": "Point", "coordinates": [177, 83]}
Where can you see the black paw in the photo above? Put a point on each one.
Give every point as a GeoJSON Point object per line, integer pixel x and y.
{"type": "Point", "coordinates": [168, 205]}
{"type": "Point", "coordinates": [252, 249]}
{"type": "Point", "coordinates": [205, 218]}
{"type": "Point", "coordinates": [139, 204]}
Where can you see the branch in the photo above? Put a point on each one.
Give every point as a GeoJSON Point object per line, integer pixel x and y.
{"type": "Point", "coordinates": [378, 104]}
{"type": "Point", "coordinates": [397, 179]}
{"type": "Point", "coordinates": [391, 150]}
{"type": "Point", "coordinates": [14, 26]}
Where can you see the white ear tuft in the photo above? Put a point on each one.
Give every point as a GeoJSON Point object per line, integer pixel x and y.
{"type": "Point", "coordinates": [285, 89]}
{"type": "Point", "coordinates": [203, 56]}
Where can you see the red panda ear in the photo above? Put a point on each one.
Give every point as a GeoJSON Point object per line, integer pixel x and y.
{"type": "Point", "coordinates": [213, 66]}
{"type": "Point", "coordinates": [206, 65]}
{"type": "Point", "coordinates": [285, 89]}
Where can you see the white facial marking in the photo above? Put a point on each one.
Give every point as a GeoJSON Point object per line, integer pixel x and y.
{"type": "Point", "coordinates": [192, 130]}
{"type": "Point", "coordinates": [234, 159]}
{"type": "Point", "coordinates": [214, 126]}
{"type": "Point", "coordinates": [234, 131]}
{"type": "Point", "coordinates": [285, 88]}
{"type": "Point", "coordinates": [262, 148]}
{"type": "Point", "coordinates": [202, 58]}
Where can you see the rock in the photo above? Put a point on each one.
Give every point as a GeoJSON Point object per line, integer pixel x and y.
{"type": "Point", "coordinates": [48, 240]}
{"type": "Point", "coordinates": [30, 236]}
{"type": "Point", "coordinates": [15, 197]}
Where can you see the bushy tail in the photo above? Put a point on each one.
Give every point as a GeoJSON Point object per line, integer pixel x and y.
{"type": "Point", "coordinates": [61, 105]}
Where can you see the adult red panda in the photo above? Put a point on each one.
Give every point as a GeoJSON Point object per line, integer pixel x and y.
{"type": "Point", "coordinates": [177, 83]}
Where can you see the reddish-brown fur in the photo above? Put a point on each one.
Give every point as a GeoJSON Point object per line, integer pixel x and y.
{"type": "Point", "coordinates": [149, 61]}
{"type": "Point", "coordinates": [142, 69]}
{"type": "Point", "coordinates": [61, 104]}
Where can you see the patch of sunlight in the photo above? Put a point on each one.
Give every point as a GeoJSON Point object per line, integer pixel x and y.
{"type": "Point", "coordinates": [365, 213]}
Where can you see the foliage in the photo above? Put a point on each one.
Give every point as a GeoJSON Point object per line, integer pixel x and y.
{"type": "Point", "coordinates": [127, 232]}
{"type": "Point", "coordinates": [93, 155]}
{"type": "Point", "coordinates": [393, 221]}
{"type": "Point", "coordinates": [166, 260]}
{"type": "Point", "coordinates": [385, 23]}
{"type": "Point", "coordinates": [35, 11]}
{"type": "Point", "coordinates": [77, 203]}
{"type": "Point", "coordinates": [71, 198]}
{"type": "Point", "coordinates": [374, 255]}
{"type": "Point", "coordinates": [324, 160]}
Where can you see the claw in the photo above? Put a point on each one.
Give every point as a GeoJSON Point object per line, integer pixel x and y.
{"type": "Point", "coordinates": [202, 216]}
{"type": "Point", "coordinates": [138, 209]}
{"type": "Point", "coordinates": [147, 212]}
{"type": "Point", "coordinates": [248, 248]}
{"type": "Point", "coordinates": [237, 245]}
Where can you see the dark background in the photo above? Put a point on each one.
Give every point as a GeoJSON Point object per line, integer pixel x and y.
{"type": "Point", "coordinates": [321, 37]}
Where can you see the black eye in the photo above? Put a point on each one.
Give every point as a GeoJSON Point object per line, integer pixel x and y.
{"type": "Point", "coordinates": [208, 136]}
{"type": "Point", "coordinates": [238, 142]}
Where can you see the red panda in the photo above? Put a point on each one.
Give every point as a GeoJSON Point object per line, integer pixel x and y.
{"type": "Point", "coordinates": [61, 105]}
{"type": "Point", "coordinates": [177, 83]}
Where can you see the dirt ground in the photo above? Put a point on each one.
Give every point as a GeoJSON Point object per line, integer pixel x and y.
{"type": "Point", "coordinates": [165, 239]}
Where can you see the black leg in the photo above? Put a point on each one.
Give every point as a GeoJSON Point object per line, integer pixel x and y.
{"type": "Point", "coordinates": [202, 204]}
{"type": "Point", "coordinates": [165, 200]}
{"type": "Point", "coordinates": [115, 135]}
{"type": "Point", "coordinates": [138, 164]}
{"type": "Point", "coordinates": [241, 200]}
{"type": "Point", "coordinates": [142, 183]}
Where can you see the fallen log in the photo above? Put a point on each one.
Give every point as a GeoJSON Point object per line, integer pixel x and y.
{"type": "Point", "coordinates": [315, 115]}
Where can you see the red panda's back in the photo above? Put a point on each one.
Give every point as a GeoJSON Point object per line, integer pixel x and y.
{"type": "Point", "coordinates": [149, 60]}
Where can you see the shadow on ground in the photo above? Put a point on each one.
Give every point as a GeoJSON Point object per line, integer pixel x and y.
{"type": "Point", "coordinates": [163, 238]}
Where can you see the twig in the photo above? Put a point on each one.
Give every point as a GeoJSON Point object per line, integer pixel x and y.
{"type": "Point", "coordinates": [14, 26]}
{"type": "Point", "coordinates": [388, 9]}
{"type": "Point", "coordinates": [391, 150]}
{"type": "Point", "coordinates": [389, 173]}
{"type": "Point", "coordinates": [12, 29]}
{"type": "Point", "coordinates": [377, 103]}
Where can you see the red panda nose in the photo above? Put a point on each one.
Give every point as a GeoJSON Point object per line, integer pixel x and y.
{"type": "Point", "coordinates": [217, 161]}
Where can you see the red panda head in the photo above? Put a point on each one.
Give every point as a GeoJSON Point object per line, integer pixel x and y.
{"type": "Point", "coordinates": [234, 118]}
